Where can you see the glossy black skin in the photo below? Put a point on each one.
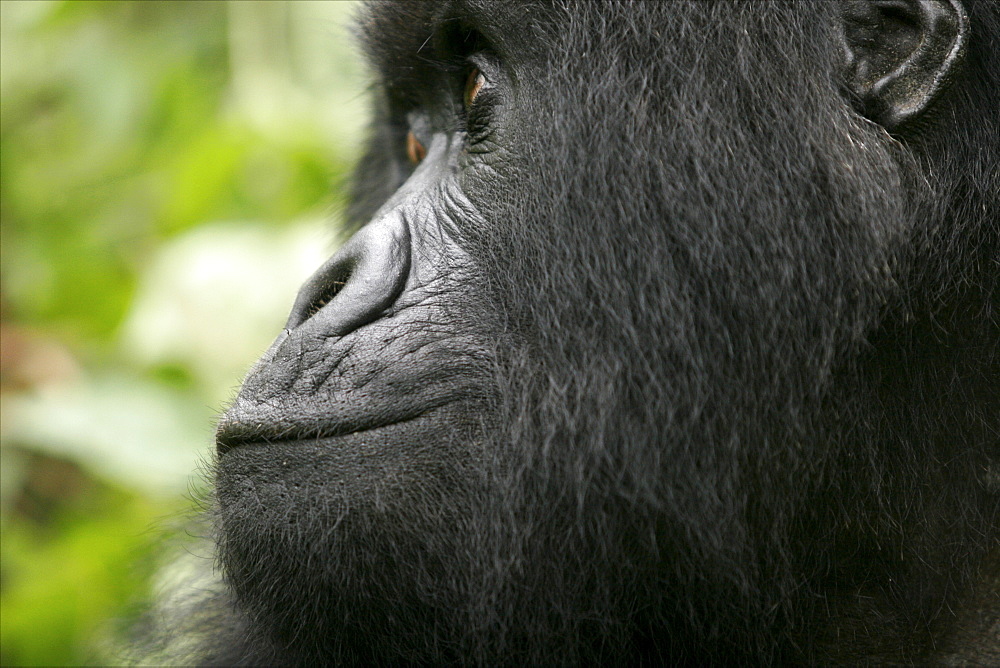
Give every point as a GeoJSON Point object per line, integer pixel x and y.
{"type": "Point", "coordinates": [679, 346]}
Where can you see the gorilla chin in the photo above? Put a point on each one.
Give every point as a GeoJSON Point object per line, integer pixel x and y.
{"type": "Point", "coordinates": [668, 335]}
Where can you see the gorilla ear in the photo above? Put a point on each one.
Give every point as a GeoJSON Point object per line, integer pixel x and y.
{"type": "Point", "coordinates": [901, 54]}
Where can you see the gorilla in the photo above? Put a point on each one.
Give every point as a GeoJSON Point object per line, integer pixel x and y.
{"type": "Point", "coordinates": [669, 333]}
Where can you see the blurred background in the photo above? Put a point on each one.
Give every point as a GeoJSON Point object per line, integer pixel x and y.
{"type": "Point", "coordinates": [168, 177]}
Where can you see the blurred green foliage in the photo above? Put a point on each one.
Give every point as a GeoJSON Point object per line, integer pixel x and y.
{"type": "Point", "coordinates": [167, 174]}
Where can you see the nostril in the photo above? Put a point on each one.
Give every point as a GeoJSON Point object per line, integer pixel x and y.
{"type": "Point", "coordinates": [337, 281]}
{"type": "Point", "coordinates": [358, 283]}
{"type": "Point", "coordinates": [324, 286]}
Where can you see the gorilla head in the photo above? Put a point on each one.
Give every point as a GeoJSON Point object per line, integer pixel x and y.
{"type": "Point", "coordinates": [669, 334]}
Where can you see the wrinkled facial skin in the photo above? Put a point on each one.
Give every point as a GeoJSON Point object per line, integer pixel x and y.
{"type": "Point", "coordinates": [636, 362]}
{"type": "Point", "coordinates": [375, 372]}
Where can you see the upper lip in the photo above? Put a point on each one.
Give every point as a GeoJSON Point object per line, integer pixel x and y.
{"type": "Point", "coordinates": [280, 401]}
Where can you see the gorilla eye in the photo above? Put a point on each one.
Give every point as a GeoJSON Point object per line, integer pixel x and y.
{"type": "Point", "coordinates": [473, 85]}
{"type": "Point", "coordinates": [415, 151]}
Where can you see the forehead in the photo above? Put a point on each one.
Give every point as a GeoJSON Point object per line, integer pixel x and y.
{"type": "Point", "coordinates": [384, 18]}
{"type": "Point", "coordinates": [394, 32]}
{"type": "Point", "coordinates": [400, 33]}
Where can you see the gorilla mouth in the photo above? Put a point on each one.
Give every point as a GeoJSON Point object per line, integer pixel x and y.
{"type": "Point", "coordinates": [242, 428]}
{"type": "Point", "coordinates": [423, 399]}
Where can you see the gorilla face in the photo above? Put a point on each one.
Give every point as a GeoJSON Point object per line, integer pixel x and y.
{"type": "Point", "coordinates": [629, 357]}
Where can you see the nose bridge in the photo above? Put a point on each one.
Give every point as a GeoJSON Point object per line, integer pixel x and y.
{"type": "Point", "coordinates": [359, 282]}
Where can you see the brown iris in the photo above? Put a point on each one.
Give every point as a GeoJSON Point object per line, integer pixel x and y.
{"type": "Point", "coordinates": [473, 85]}
{"type": "Point", "coordinates": [415, 151]}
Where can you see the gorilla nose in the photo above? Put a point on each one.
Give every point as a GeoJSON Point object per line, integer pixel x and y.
{"type": "Point", "coordinates": [358, 283]}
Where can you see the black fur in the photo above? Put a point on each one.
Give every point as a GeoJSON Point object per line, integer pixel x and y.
{"type": "Point", "coordinates": [723, 358]}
